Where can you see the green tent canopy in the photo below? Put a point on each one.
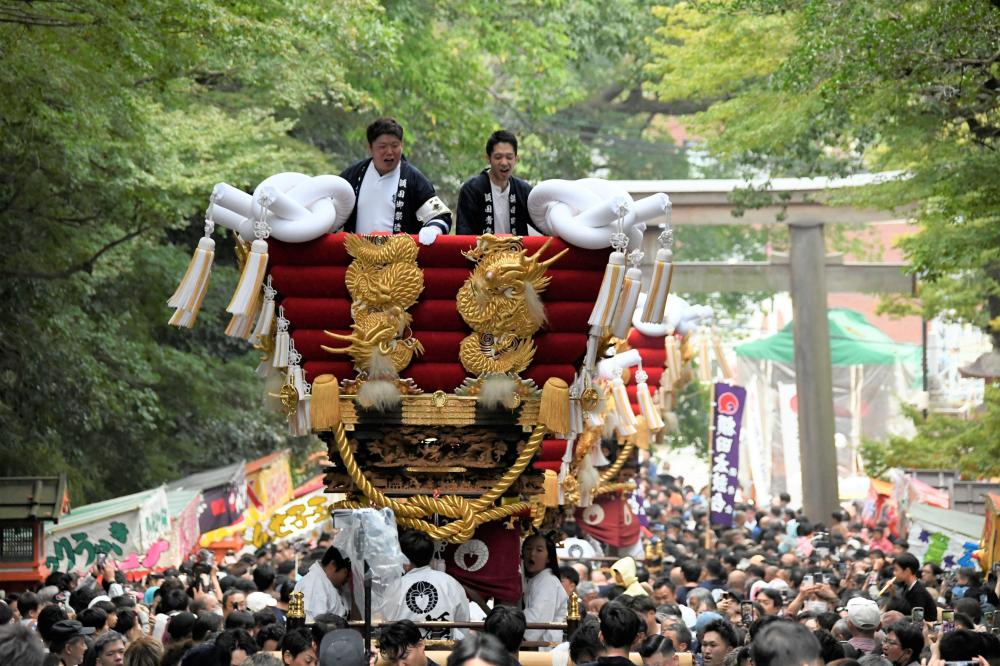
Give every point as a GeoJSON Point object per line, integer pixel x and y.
{"type": "Point", "coordinates": [853, 341]}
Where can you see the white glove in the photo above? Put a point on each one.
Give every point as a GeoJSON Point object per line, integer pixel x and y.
{"type": "Point", "coordinates": [428, 234]}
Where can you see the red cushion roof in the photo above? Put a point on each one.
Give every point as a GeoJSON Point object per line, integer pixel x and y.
{"type": "Point", "coordinates": [309, 278]}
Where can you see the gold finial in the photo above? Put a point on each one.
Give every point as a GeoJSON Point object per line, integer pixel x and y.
{"type": "Point", "coordinates": [296, 605]}
{"type": "Point", "coordinates": [573, 607]}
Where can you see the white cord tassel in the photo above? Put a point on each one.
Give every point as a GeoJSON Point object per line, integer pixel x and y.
{"type": "Point", "coordinates": [251, 279]}
{"type": "Point", "coordinates": [282, 341]}
{"type": "Point", "coordinates": [186, 318]}
{"type": "Point", "coordinates": [646, 407]}
{"type": "Point", "coordinates": [663, 273]}
{"type": "Point", "coordinates": [628, 300]}
{"type": "Point", "coordinates": [623, 409]}
{"type": "Point", "coordinates": [659, 288]}
{"type": "Point", "coordinates": [190, 293]}
{"type": "Point", "coordinates": [611, 286]}
{"type": "Point", "coordinates": [198, 271]}
{"type": "Point", "coordinates": [265, 322]}
{"type": "Point", "coordinates": [248, 290]}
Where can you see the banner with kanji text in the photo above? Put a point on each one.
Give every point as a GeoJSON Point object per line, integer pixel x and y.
{"type": "Point", "coordinates": [727, 417]}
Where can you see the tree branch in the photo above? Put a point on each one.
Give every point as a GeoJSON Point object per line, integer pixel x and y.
{"type": "Point", "coordinates": [87, 265]}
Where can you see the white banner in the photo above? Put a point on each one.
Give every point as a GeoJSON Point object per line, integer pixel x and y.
{"type": "Point", "coordinates": [787, 399]}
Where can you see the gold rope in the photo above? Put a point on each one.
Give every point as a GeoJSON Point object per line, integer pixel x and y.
{"type": "Point", "coordinates": [468, 515]}
{"type": "Point", "coordinates": [614, 488]}
{"type": "Point", "coordinates": [623, 455]}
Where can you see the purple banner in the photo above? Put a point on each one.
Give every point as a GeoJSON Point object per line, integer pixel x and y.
{"type": "Point", "coordinates": [727, 415]}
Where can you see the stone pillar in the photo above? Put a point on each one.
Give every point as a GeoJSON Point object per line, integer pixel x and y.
{"type": "Point", "coordinates": [813, 371]}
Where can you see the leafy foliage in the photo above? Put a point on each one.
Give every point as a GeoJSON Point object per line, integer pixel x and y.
{"type": "Point", "coordinates": [944, 442]}
{"type": "Point", "coordinates": [818, 88]}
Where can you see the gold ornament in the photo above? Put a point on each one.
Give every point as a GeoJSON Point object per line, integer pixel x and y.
{"type": "Point", "coordinates": [501, 302]}
{"type": "Point", "coordinates": [383, 280]}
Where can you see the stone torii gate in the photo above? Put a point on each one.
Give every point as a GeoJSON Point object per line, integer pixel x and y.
{"type": "Point", "coordinates": [805, 276]}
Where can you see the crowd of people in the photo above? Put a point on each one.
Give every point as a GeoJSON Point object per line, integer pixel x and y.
{"type": "Point", "coordinates": [775, 588]}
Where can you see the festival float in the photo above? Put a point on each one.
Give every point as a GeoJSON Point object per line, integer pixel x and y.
{"type": "Point", "coordinates": [466, 385]}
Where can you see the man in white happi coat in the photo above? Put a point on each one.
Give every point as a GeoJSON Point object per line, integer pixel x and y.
{"type": "Point", "coordinates": [427, 594]}
{"type": "Point", "coordinates": [324, 587]}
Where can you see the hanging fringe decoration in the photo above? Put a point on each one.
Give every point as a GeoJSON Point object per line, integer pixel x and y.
{"type": "Point", "coordinates": [325, 403]}
{"type": "Point", "coordinates": [623, 409]}
{"type": "Point", "coordinates": [575, 408]}
{"type": "Point", "coordinates": [550, 484]}
{"type": "Point", "coordinates": [611, 285]}
{"type": "Point", "coordinates": [629, 297]}
{"type": "Point", "coordinates": [301, 421]}
{"type": "Point", "coordinates": [282, 341]}
{"type": "Point", "coordinates": [190, 293]}
{"type": "Point", "coordinates": [265, 322]}
{"type": "Point", "coordinates": [663, 273]}
{"type": "Point", "coordinates": [646, 407]}
{"type": "Point", "coordinates": [553, 412]}
{"type": "Point", "coordinates": [252, 277]}
{"type": "Point", "coordinates": [241, 326]}
{"type": "Point", "coordinates": [589, 479]}
{"type": "Point", "coordinates": [704, 361]}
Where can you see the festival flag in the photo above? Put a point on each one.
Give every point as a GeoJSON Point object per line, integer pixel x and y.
{"type": "Point", "coordinates": [610, 520]}
{"type": "Point", "coordinates": [727, 415]}
{"type": "Point", "coordinates": [489, 562]}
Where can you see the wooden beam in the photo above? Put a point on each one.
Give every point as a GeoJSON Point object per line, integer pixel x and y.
{"type": "Point", "coordinates": [709, 201]}
{"type": "Point", "coordinates": [711, 277]}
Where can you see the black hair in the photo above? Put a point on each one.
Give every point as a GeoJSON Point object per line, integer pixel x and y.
{"type": "Point", "coordinates": [908, 561]}
{"type": "Point", "coordinates": [500, 136]}
{"type": "Point", "coordinates": [665, 582]}
{"type": "Point", "coordinates": [236, 639]}
{"type": "Point", "coordinates": [771, 594]}
{"type": "Point", "coordinates": [173, 600]}
{"type": "Point", "coordinates": [969, 607]}
{"type": "Point", "coordinates": [382, 126]}
{"type": "Point", "coordinates": [333, 555]}
{"type": "Point", "coordinates": [205, 624]}
{"type": "Point", "coordinates": [691, 570]}
{"type": "Point", "coordinates": [47, 617]}
{"type": "Point", "coordinates": [910, 636]}
{"type": "Point", "coordinates": [508, 625]}
{"type": "Point", "coordinates": [397, 637]}
{"type": "Point", "coordinates": [830, 648]}
{"type": "Point", "coordinates": [263, 577]}
{"type": "Point", "coordinates": [656, 644]}
{"type": "Point", "coordinates": [27, 603]}
{"type": "Point", "coordinates": [296, 641]}
{"type": "Point", "coordinates": [785, 642]}
{"type": "Point", "coordinates": [270, 632]}
{"type": "Point", "coordinates": [6, 613]}
{"type": "Point", "coordinates": [240, 620]}
{"type": "Point", "coordinates": [285, 590]}
{"type": "Point", "coordinates": [619, 625]}
{"type": "Point", "coordinates": [485, 647]}
{"type": "Point", "coordinates": [570, 574]}
{"type": "Point", "coordinates": [585, 643]}
{"type": "Point", "coordinates": [724, 629]}
{"type": "Point", "coordinates": [417, 547]}
{"type": "Point", "coordinates": [93, 617]}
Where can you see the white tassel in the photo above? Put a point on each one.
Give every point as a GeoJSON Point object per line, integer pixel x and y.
{"type": "Point", "coordinates": [282, 341]}
{"type": "Point", "coordinates": [251, 279]}
{"type": "Point", "coordinates": [663, 273]}
{"type": "Point", "coordinates": [626, 303]}
{"type": "Point", "coordinates": [611, 285]}
{"type": "Point", "coordinates": [186, 318]}
{"type": "Point", "coordinates": [589, 479]}
{"type": "Point", "coordinates": [300, 422]}
{"type": "Point", "coordinates": [265, 321]}
{"type": "Point", "coordinates": [623, 409]}
{"type": "Point", "coordinates": [646, 407]}
{"type": "Point", "coordinates": [195, 277]}
{"type": "Point", "coordinates": [241, 326]}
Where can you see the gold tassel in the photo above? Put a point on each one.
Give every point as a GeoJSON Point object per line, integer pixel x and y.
{"type": "Point", "coordinates": [251, 280]}
{"type": "Point", "coordinates": [186, 318]}
{"type": "Point", "coordinates": [553, 413]}
{"type": "Point", "coordinates": [646, 407]}
{"type": "Point", "coordinates": [325, 403]}
{"type": "Point", "coordinates": [551, 485]}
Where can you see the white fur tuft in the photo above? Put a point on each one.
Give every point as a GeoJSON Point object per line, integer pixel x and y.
{"type": "Point", "coordinates": [379, 394]}
{"type": "Point", "coordinates": [536, 309]}
{"type": "Point", "coordinates": [497, 391]}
